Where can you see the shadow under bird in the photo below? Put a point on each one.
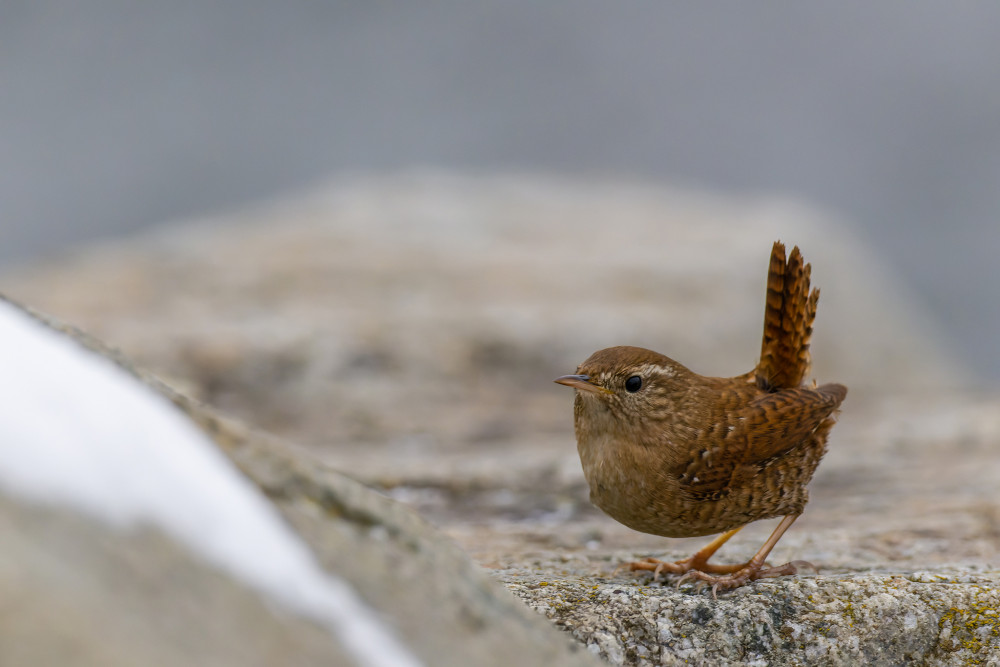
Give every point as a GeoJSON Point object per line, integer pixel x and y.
{"type": "Point", "coordinates": [669, 452]}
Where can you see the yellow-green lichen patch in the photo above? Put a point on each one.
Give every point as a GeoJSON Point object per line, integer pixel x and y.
{"type": "Point", "coordinates": [973, 630]}
{"type": "Point", "coordinates": [850, 613]}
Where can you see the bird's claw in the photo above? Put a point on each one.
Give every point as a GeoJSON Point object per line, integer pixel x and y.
{"type": "Point", "coordinates": [654, 565]}
{"type": "Point", "coordinates": [799, 565]}
{"type": "Point", "coordinates": [742, 576]}
{"type": "Point", "coordinates": [689, 570]}
{"type": "Point", "coordinates": [721, 582]}
{"type": "Point", "coordinates": [658, 571]}
{"type": "Point", "coordinates": [681, 579]}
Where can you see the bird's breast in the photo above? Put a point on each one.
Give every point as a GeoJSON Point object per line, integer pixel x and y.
{"type": "Point", "coordinates": [626, 481]}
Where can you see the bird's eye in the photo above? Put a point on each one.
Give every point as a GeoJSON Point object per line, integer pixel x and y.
{"type": "Point", "coordinates": [633, 384]}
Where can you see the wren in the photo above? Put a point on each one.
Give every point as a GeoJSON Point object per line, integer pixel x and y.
{"type": "Point", "coordinates": [669, 452]}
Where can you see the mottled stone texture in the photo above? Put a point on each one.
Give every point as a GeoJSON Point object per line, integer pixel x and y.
{"type": "Point", "coordinates": [936, 618]}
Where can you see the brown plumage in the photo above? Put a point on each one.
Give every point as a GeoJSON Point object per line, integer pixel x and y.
{"type": "Point", "coordinates": [669, 452]}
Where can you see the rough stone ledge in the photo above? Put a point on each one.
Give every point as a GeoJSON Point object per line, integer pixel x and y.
{"type": "Point", "coordinates": [873, 618]}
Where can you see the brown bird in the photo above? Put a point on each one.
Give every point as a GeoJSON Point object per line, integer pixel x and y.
{"type": "Point", "coordinates": [669, 452]}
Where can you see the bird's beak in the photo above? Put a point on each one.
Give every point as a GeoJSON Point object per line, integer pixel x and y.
{"type": "Point", "coordinates": [583, 383]}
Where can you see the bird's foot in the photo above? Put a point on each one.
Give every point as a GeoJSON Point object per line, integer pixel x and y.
{"type": "Point", "coordinates": [698, 561]}
{"type": "Point", "coordinates": [746, 573]}
{"type": "Point", "coordinates": [657, 567]}
{"type": "Point", "coordinates": [695, 563]}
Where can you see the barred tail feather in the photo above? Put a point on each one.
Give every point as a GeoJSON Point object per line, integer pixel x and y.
{"type": "Point", "coordinates": [788, 320]}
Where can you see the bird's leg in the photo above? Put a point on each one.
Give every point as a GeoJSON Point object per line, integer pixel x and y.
{"type": "Point", "coordinates": [754, 568]}
{"type": "Point", "coordinates": [699, 561]}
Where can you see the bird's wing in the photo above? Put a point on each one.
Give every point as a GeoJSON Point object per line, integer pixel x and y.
{"type": "Point", "coordinates": [763, 429]}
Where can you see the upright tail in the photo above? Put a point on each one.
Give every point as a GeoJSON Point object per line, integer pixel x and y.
{"type": "Point", "coordinates": [788, 322]}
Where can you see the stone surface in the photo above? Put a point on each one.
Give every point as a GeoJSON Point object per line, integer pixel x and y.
{"type": "Point", "coordinates": [72, 591]}
{"type": "Point", "coordinates": [432, 312]}
{"type": "Point", "coordinates": [406, 330]}
{"type": "Point", "coordinates": [845, 618]}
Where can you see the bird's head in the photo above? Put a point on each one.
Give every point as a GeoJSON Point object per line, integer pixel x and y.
{"type": "Point", "coordinates": [625, 387]}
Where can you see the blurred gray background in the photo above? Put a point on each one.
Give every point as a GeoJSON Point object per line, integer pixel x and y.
{"type": "Point", "coordinates": [115, 117]}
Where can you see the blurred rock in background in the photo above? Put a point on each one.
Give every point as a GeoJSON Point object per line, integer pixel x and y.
{"type": "Point", "coordinates": [429, 309]}
{"type": "Point", "coordinates": [887, 115]}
